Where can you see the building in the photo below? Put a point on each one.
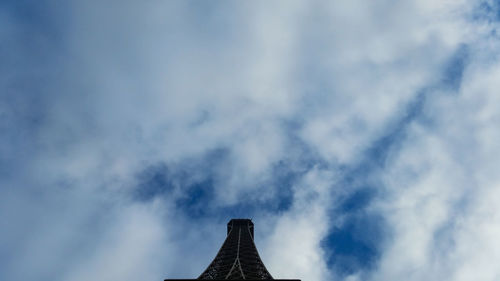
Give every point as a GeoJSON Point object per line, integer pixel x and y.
{"type": "Point", "coordinates": [238, 258]}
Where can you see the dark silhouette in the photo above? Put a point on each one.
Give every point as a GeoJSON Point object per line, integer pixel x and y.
{"type": "Point", "coordinates": [238, 258]}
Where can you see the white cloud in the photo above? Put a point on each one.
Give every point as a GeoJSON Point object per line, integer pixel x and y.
{"type": "Point", "coordinates": [129, 86]}
{"type": "Point", "coordinates": [293, 250]}
{"type": "Point", "coordinates": [442, 185]}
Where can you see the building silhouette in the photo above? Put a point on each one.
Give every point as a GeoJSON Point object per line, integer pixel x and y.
{"type": "Point", "coordinates": [238, 258]}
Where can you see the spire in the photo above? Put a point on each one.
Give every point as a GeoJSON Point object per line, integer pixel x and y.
{"type": "Point", "coordinates": [238, 258]}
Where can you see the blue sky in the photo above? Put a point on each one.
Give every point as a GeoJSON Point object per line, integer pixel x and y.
{"type": "Point", "coordinates": [361, 137]}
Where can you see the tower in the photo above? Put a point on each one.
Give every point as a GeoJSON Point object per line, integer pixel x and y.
{"type": "Point", "coordinates": [238, 257]}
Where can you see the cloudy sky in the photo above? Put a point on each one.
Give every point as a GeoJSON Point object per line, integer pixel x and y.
{"type": "Point", "coordinates": [362, 138]}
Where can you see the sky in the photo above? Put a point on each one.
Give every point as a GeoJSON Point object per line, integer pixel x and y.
{"type": "Point", "coordinates": [362, 138]}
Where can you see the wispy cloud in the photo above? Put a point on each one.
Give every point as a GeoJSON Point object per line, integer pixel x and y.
{"type": "Point", "coordinates": [362, 138]}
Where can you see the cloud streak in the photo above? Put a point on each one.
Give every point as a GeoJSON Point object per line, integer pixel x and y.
{"type": "Point", "coordinates": [361, 137]}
